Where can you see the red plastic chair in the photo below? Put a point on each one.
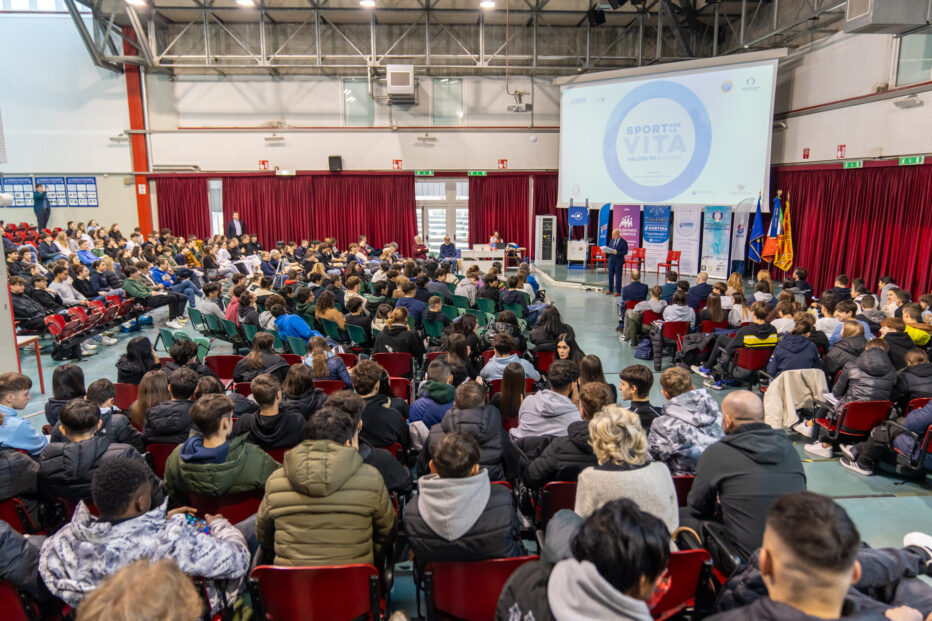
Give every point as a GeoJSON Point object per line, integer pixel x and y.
{"type": "Point", "coordinates": [689, 572]}
{"type": "Point", "coordinates": [278, 454]}
{"type": "Point", "coordinates": [468, 591]}
{"type": "Point", "coordinates": [496, 386]}
{"type": "Point", "coordinates": [683, 484]}
{"type": "Point", "coordinates": [915, 404]}
{"type": "Point", "coordinates": [349, 360]}
{"type": "Point", "coordinates": [490, 353]}
{"type": "Point", "coordinates": [630, 304]}
{"type": "Point", "coordinates": [556, 495]}
{"type": "Point", "coordinates": [158, 454]}
{"type": "Point", "coordinates": [398, 364]}
{"type": "Point", "coordinates": [431, 356]}
{"type": "Point", "coordinates": [125, 395]}
{"type": "Point", "coordinates": [650, 317]}
{"type": "Point", "coordinates": [401, 387]}
{"type": "Point", "coordinates": [292, 358]}
{"type": "Point", "coordinates": [545, 359]}
{"type": "Point", "coordinates": [510, 423]}
{"type": "Point", "coordinates": [635, 259]}
{"type": "Point", "coordinates": [243, 388]}
{"type": "Point", "coordinates": [222, 366]}
{"type": "Point", "coordinates": [330, 593]}
{"type": "Point", "coordinates": [673, 258]}
{"type": "Point", "coordinates": [16, 604]}
{"type": "Point", "coordinates": [396, 450]}
{"type": "Point", "coordinates": [597, 256]}
{"type": "Point", "coordinates": [14, 513]}
{"type": "Point", "coordinates": [234, 507]}
{"type": "Point", "coordinates": [753, 359]}
{"type": "Point", "coordinates": [673, 329]}
{"type": "Point", "coordinates": [330, 386]}
{"type": "Point", "coordinates": [855, 420]}
{"type": "Point", "coordinates": [712, 326]}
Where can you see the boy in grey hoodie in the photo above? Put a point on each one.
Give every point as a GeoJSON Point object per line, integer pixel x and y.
{"type": "Point", "coordinates": [550, 412]}
{"type": "Point", "coordinates": [504, 345]}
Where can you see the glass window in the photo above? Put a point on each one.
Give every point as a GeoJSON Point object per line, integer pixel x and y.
{"type": "Point", "coordinates": [46, 5]}
{"type": "Point", "coordinates": [462, 190]}
{"type": "Point", "coordinates": [430, 191]}
{"type": "Point", "coordinates": [448, 101]}
{"type": "Point", "coordinates": [462, 227]}
{"type": "Point", "coordinates": [358, 108]}
{"type": "Point", "coordinates": [19, 5]}
{"type": "Point", "coordinates": [915, 62]}
{"type": "Point", "coordinates": [215, 200]}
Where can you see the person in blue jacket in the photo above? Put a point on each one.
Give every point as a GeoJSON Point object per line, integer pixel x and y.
{"type": "Point", "coordinates": [795, 351]}
{"type": "Point", "coordinates": [16, 432]}
{"type": "Point", "coordinates": [290, 325]}
{"type": "Point", "coordinates": [448, 253]}
{"type": "Point", "coordinates": [437, 395]}
{"type": "Point", "coordinates": [324, 364]}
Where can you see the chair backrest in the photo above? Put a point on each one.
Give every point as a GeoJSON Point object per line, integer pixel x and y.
{"type": "Point", "coordinates": [917, 403]}
{"type": "Point", "coordinates": [329, 593]}
{"type": "Point", "coordinates": [596, 254]}
{"type": "Point", "coordinates": [859, 417]}
{"type": "Point", "coordinates": [545, 359]}
{"type": "Point", "coordinates": [433, 329]}
{"type": "Point", "coordinates": [630, 304]}
{"type": "Point", "coordinates": [213, 324]}
{"type": "Point", "coordinates": [401, 387]}
{"type": "Point", "coordinates": [712, 326]}
{"type": "Point", "coordinates": [398, 364]}
{"type": "Point", "coordinates": [349, 360]}
{"type": "Point", "coordinates": [637, 253]}
{"type": "Point", "coordinates": [222, 365]}
{"type": "Point", "coordinates": [672, 329]}
{"type": "Point", "coordinates": [753, 358]}
{"type": "Point", "coordinates": [468, 591]}
{"type": "Point", "coordinates": [688, 569]}
{"type": "Point", "coordinates": [673, 255]}
{"type": "Point", "coordinates": [14, 513]}
{"type": "Point", "coordinates": [243, 388]}
{"type": "Point", "coordinates": [278, 454]}
{"type": "Point", "coordinates": [231, 329]}
{"type": "Point", "coordinates": [329, 386]}
{"type": "Point", "coordinates": [557, 495]}
{"type": "Point", "coordinates": [431, 356]}
{"type": "Point", "coordinates": [516, 308]}
{"type": "Point", "coordinates": [683, 484]}
{"type": "Point", "coordinates": [125, 395]}
{"type": "Point", "coordinates": [496, 385]}
{"type": "Point", "coordinates": [292, 358]}
{"type": "Point", "coordinates": [158, 454]}
{"type": "Point", "coordinates": [486, 305]}
{"type": "Point", "coordinates": [15, 604]}
{"type": "Point", "coordinates": [234, 507]}
{"type": "Point", "coordinates": [331, 328]}
{"type": "Point", "coordinates": [650, 316]}
{"type": "Point", "coordinates": [297, 345]}
{"type": "Point", "coordinates": [395, 449]}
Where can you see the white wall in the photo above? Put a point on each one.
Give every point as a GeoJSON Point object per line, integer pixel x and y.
{"type": "Point", "coordinates": [59, 112]}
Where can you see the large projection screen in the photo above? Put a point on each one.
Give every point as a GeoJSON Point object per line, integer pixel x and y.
{"type": "Point", "coordinates": [691, 136]}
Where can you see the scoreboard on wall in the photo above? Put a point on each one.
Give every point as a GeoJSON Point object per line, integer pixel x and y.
{"type": "Point", "coordinates": [62, 191]}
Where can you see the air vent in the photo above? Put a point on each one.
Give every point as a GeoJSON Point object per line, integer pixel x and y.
{"type": "Point", "coordinates": [399, 80]}
{"type": "Point", "coordinates": [858, 8]}
{"type": "Point", "coordinates": [885, 16]}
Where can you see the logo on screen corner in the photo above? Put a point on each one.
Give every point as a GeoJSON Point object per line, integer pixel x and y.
{"type": "Point", "coordinates": [726, 86]}
{"type": "Point", "coordinates": [665, 134]}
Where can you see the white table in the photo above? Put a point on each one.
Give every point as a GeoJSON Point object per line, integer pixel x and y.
{"type": "Point", "coordinates": [483, 258]}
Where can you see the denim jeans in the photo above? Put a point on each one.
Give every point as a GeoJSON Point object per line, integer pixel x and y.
{"type": "Point", "coordinates": [187, 288]}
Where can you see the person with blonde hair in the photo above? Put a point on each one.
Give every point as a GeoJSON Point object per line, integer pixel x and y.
{"type": "Point", "coordinates": [324, 363]}
{"type": "Point", "coordinates": [625, 469]}
{"type": "Point", "coordinates": [143, 590]}
{"type": "Point", "coordinates": [735, 284]}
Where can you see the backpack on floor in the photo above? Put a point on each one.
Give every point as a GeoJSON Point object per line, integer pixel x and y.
{"type": "Point", "coordinates": [644, 351]}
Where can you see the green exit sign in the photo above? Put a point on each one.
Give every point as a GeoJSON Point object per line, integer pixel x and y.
{"type": "Point", "coordinates": [909, 161]}
{"type": "Point", "coordinates": [423, 173]}
{"type": "Point", "coordinates": [477, 173]}
{"type": "Point", "coordinates": [855, 164]}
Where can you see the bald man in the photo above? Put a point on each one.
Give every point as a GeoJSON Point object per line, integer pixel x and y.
{"type": "Point", "coordinates": [699, 292]}
{"type": "Point", "coordinates": [740, 476]}
{"type": "Point", "coordinates": [616, 249]}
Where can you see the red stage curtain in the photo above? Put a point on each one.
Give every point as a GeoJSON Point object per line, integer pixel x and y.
{"type": "Point", "coordinates": [499, 203]}
{"type": "Point", "coordinates": [183, 205]}
{"type": "Point", "coordinates": [865, 223]}
{"type": "Point", "coordinates": [382, 207]}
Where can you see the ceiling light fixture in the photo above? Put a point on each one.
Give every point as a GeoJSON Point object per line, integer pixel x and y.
{"type": "Point", "coordinates": [367, 4]}
{"type": "Point", "coordinates": [136, 2]}
{"type": "Point", "coordinates": [245, 3]}
{"type": "Point", "coordinates": [487, 4]}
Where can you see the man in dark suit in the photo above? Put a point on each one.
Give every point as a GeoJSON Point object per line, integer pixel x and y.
{"type": "Point", "coordinates": [235, 227]}
{"type": "Point", "coordinates": [698, 293]}
{"type": "Point", "coordinates": [635, 291]}
{"type": "Point", "coordinates": [617, 249]}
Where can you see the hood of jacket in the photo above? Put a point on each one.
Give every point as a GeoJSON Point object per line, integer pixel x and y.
{"type": "Point", "coordinates": [696, 407]}
{"type": "Point", "coordinates": [578, 592]}
{"type": "Point", "coordinates": [899, 339]}
{"type": "Point", "coordinates": [919, 370]}
{"type": "Point", "coordinates": [550, 404]}
{"type": "Point", "coordinates": [320, 467]}
{"type": "Point", "coordinates": [202, 475]}
{"type": "Point", "coordinates": [762, 296]}
{"type": "Point", "coordinates": [874, 314]}
{"type": "Point", "coordinates": [170, 417]}
{"type": "Point", "coordinates": [578, 434]}
{"type": "Point", "coordinates": [439, 392]}
{"type": "Point", "coordinates": [853, 345]}
{"type": "Point", "coordinates": [452, 506]}
{"type": "Point", "coordinates": [795, 343]}
{"type": "Point", "coordinates": [477, 422]}
{"type": "Point", "coordinates": [875, 362]}
{"type": "Point", "coordinates": [759, 441]}
{"type": "Point", "coordinates": [304, 404]}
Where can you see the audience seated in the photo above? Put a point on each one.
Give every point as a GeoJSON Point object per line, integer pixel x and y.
{"type": "Point", "coordinates": [130, 527]}
{"type": "Point", "coordinates": [169, 422]}
{"type": "Point", "coordinates": [458, 515]}
{"type": "Point", "coordinates": [634, 291]}
{"type": "Point", "coordinates": [699, 292]}
{"type": "Point", "coordinates": [144, 292]}
{"type": "Point", "coordinates": [893, 332]}
{"type": "Point", "coordinates": [101, 393]}
{"type": "Point", "coordinates": [325, 506]}
{"type": "Point", "coordinates": [210, 385]}
{"type": "Point", "coordinates": [504, 346]}
{"type": "Point", "coordinates": [270, 426]}
{"type": "Point", "coordinates": [299, 395]}
{"type": "Point", "coordinates": [19, 563]}
{"type": "Point", "coordinates": [884, 439]}
{"type": "Point", "coordinates": [139, 359]}
{"type": "Point", "coordinates": [506, 322]}
{"type": "Point", "coordinates": [16, 432]}
{"type": "Point", "coordinates": [397, 337]}
{"type": "Point", "coordinates": [635, 385]}
{"type": "Point", "coordinates": [847, 348]}
{"type": "Point", "coordinates": [436, 395]}
{"type": "Point", "coordinates": [550, 411]}
{"type": "Point", "coordinates": [19, 478]}
{"type": "Point", "coordinates": [719, 366]}
{"type": "Point", "coordinates": [691, 422]}
{"type": "Point", "coordinates": [679, 310]}
{"type": "Point", "coordinates": [794, 351]}
{"type": "Point", "coordinates": [324, 364]}
{"type": "Point", "coordinates": [382, 424]}
{"type": "Point", "coordinates": [915, 380]}
{"type": "Point", "coordinates": [262, 359]}
{"type": "Point", "coordinates": [184, 354]}
{"type": "Point", "coordinates": [548, 328]}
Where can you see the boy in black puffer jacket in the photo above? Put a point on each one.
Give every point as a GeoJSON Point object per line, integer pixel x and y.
{"type": "Point", "coordinates": [915, 381]}
{"type": "Point", "coordinates": [170, 422]}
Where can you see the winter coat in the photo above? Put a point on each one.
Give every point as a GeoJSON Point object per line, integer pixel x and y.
{"type": "Point", "coordinates": [64, 566]}
{"type": "Point", "coordinates": [114, 425]}
{"type": "Point", "coordinates": [382, 425]}
{"type": "Point", "coordinates": [917, 421]}
{"type": "Point", "coordinates": [913, 383]}
{"type": "Point", "coordinates": [396, 476]}
{"type": "Point", "coordinates": [741, 475]}
{"type": "Point", "coordinates": [465, 519]}
{"type": "Point", "coordinates": [336, 370]}
{"type": "Point", "coordinates": [766, 609]}
{"type": "Point", "coordinates": [563, 459]}
{"type": "Point", "coordinates": [190, 469]}
{"type": "Point", "coordinates": [546, 341]}
{"type": "Point", "coordinates": [545, 413]}
{"type": "Point", "coordinates": [790, 392]}
{"type": "Point", "coordinates": [325, 507]}
{"type": "Point", "coordinates": [202, 370]}
{"type": "Point", "coordinates": [304, 404]}
{"type": "Point", "coordinates": [19, 478]}
{"type": "Point", "coordinates": [19, 563]}
{"type": "Point", "coordinates": [130, 372]}
{"type": "Point", "coordinates": [501, 327]}
{"type": "Point", "coordinates": [66, 469]}
{"type": "Point", "coordinates": [53, 408]}
{"type": "Point", "coordinates": [431, 407]}
{"type": "Point", "coordinates": [844, 351]}
{"type": "Point", "coordinates": [691, 422]}
{"type": "Point", "coordinates": [399, 339]}
{"type": "Point", "coordinates": [283, 430]}
{"type": "Point", "coordinates": [793, 351]}
{"type": "Point", "coordinates": [168, 422]}
{"type": "Point", "coordinates": [271, 363]}
{"type": "Point", "coordinates": [485, 425]}
{"type": "Point", "coordinates": [242, 405]}
{"type": "Point", "coordinates": [869, 378]}
{"type": "Point", "coordinates": [899, 343]}
{"type": "Point", "coordinates": [646, 412]}
{"type": "Point", "coordinates": [495, 367]}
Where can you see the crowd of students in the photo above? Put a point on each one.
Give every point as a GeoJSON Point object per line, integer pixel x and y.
{"type": "Point", "coordinates": [339, 495]}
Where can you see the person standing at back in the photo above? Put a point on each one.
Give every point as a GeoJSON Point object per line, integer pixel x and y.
{"type": "Point", "coordinates": [615, 255]}
{"type": "Point", "coordinates": [235, 226]}
{"type": "Point", "coordinates": [41, 206]}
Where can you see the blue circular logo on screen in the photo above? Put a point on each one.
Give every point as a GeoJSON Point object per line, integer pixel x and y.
{"type": "Point", "coordinates": [701, 147]}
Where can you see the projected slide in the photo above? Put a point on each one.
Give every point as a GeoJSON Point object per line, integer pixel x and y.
{"type": "Point", "coordinates": [700, 137]}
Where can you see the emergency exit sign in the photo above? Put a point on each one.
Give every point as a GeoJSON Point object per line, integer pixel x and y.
{"type": "Point", "coordinates": [854, 164]}
{"type": "Point", "coordinates": [909, 161]}
{"type": "Point", "coordinates": [423, 173]}
{"type": "Point", "coordinates": [477, 173]}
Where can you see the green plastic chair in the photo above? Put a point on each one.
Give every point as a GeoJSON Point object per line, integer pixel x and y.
{"type": "Point", "coordinates": [279, 345]}
{"type": "Point", "coordinates": [297, 345]}
{"type": "Point", "coordinates": [451, 311]}
{"type": "Point", "coordinates": [310, 322]}
{"type": "Point", "coordinates": [411, 323]}
{"type": "Point", "coordinates": [250, 331]}
{"type": "Point", "coordinates": [522, 323]}
{"type": "Point", "coordinates": [203, 347]}
{"type": "Point", "coordinates": [515, 308]}
{"type": "Point", "coordinates": [168, 341]}
{"type": "Point", "coordinates": [527, 298]}
{"type": "Point", "coordinates": [451, 287]}
{"type": "Point", "coordinates": [357, 334]}
{"type": "Point", "coordinates": [460, 301]}
{"type": "Point", "coordinates": [434, 329]}
{"type": "Point", "coordinates": [332, 329]}
{"type": "Point", "coordinates": [476, 313]}
{"type": "Point", "coordinates": [375, 334]}
{"type": "Point", "coordinates": [232, 331]}
{"type": "Point", "coordinates": [486, 305]}
{"type": "Point", "coordinates": [181, 336]}
{"type": "Point", "coordinates": [213, 324]}
{"type": "Point", "coordinates": [371, 298]}
{"type": "Point", "coordinates": [489, 318]}
{"type": "Point", "coordinates": [197, 321]}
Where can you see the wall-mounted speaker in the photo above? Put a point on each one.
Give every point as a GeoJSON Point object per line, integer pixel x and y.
{"type": "Point", "coordinates": [336, 163]}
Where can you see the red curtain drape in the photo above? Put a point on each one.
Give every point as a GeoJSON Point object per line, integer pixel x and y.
{"type": "Point", "coordinates": [867, 223]}
{"type": "Point", "coordinates": [183, 205]}
{"type": "Point", "coordinates": [499, 203]}
{"type": "Point", "coordinates": [382, 207]}
{"type": "Point", "coordinates": [545, 203]}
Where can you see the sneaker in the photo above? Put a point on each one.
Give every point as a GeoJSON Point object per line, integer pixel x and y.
{"type": "Point", "coordinates": [853, 466]}
{"type": "Point", "coordinates": [803, 428]}
{"type": "Point", "coordinates": [174, 324]}
{"type": "Point", "coordinates": [88, 346]}
{"type": "Point", "coordinates": [107, 340]}
{"type": "Point", "coordinates": [108, 333]}
{"type": "Point", "coordinates": [816, 448]}
{"type": "Point", "coordinates": [849, 451]}
{"type": "Point", "coordinates": [923, 542]}
{"type": "Point", "coordinates": [700, 370]}
{"type": "Point", "coordinates": [147, 319]}
{"type": "Point", "coordinates": [714, 385]}
{"type": "Point", "coordinates": [87, 351]}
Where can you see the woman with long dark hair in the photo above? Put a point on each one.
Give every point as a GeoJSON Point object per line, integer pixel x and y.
{"type": "Point", "coordinates": [513, 392]}
{"type": "Point", "coordinates": [590, 370]}
{"type": "Point", "coordinates": [67, 384]}
{"type": "Point", "coordinates": [465, 325]}
{"type": "Point", "coordinates": [567, 349]}
{"type": "Point", "coordinates": [139, 359]}
{"type": "Point", "coordinates": [247, 312]}
{"type": "Point", "coordinates": [458, 358]}
{"type": "Point", "coordinates": [262, 359]}
{"type": "Point", "coordinates": [549, 327]}
{"type": "Point", "coordinates": [713, 310]}
{"type": "Point", "coordinates": [299, 395]}
{"type": "Point", "coordinates": [324, 363]}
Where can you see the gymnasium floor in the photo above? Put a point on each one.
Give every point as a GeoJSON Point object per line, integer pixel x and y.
{"type": "Point", "coordinates": [883, 507]}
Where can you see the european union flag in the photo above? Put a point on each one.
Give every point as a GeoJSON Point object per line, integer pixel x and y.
{"type": "Point", "coordinates": [755, 245]}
